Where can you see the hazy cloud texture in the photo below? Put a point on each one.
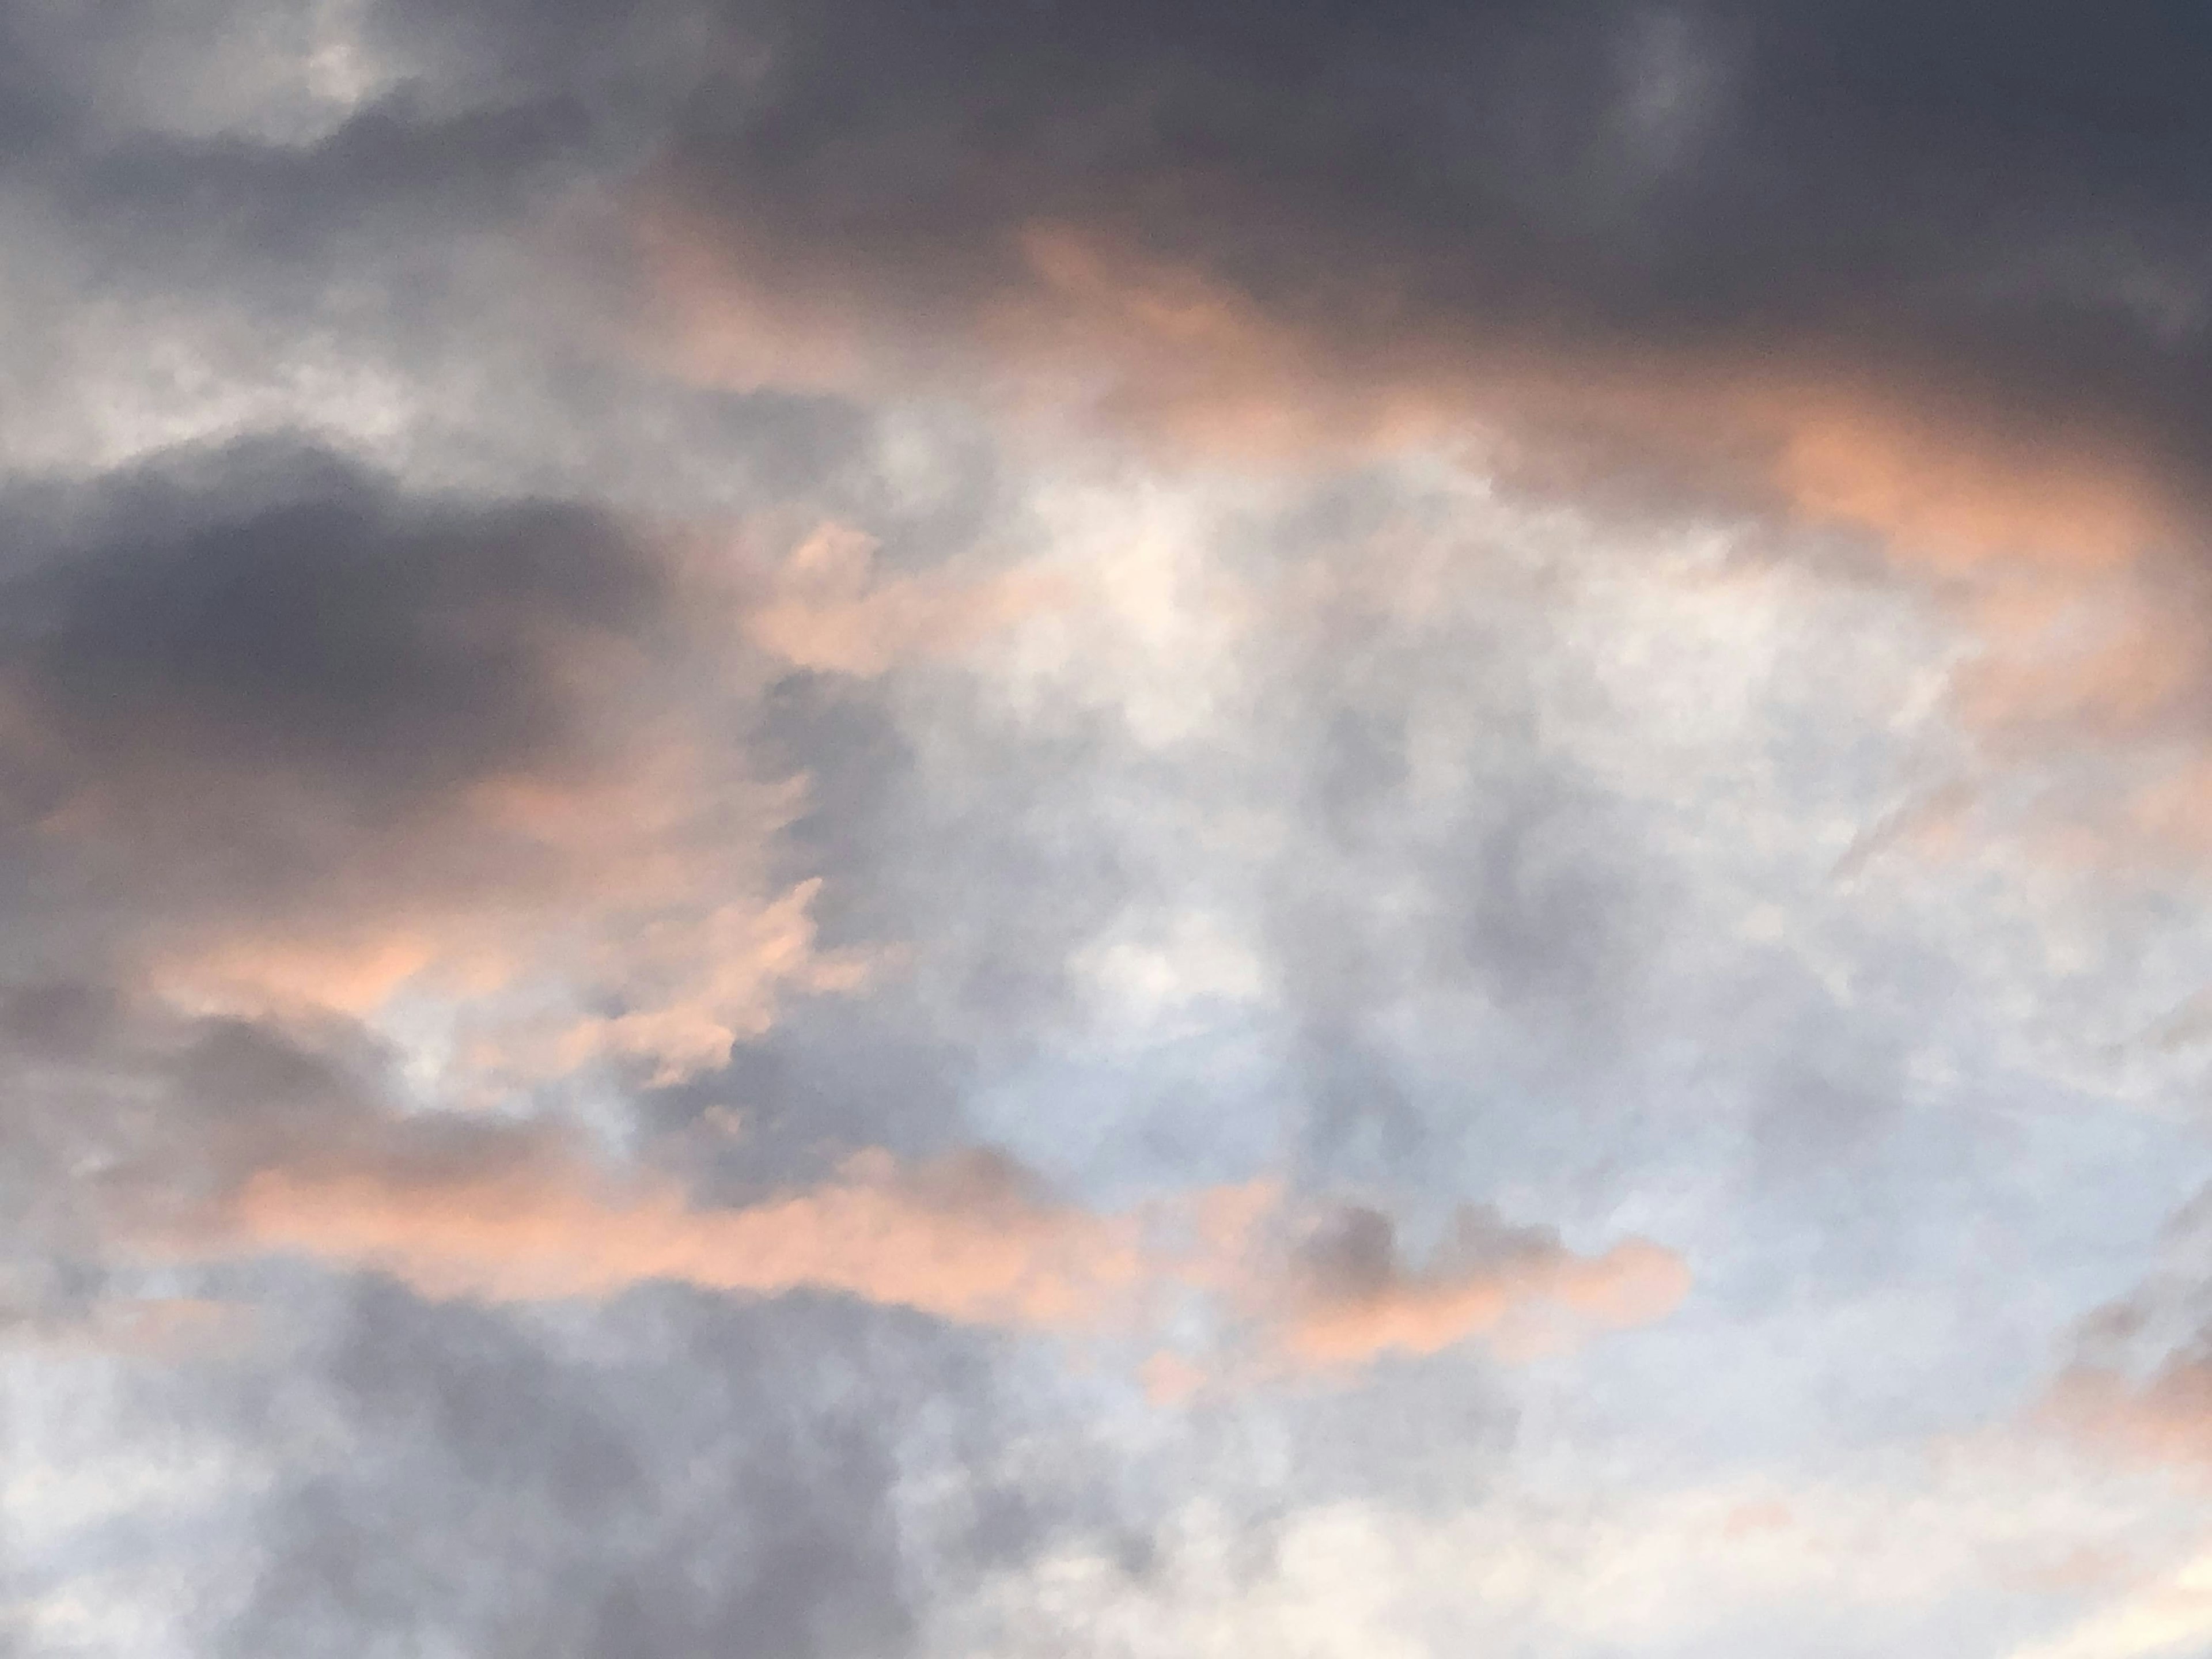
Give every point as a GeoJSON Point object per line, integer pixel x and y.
{"type": "Point", "coordinates": [842, 829]}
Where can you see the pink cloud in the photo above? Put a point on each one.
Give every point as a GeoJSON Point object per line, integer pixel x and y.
{"type": "Point", "coordinates": [522, 1215]}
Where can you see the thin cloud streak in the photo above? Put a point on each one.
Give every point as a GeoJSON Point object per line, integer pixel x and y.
{"type": "Point", "coordinates": [967, 1239]}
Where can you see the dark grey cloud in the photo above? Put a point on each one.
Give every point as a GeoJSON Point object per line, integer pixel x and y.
{"type": "Point", "coordinates": [664, 1474]}
{"type": "Point", "coordinates": [265, 609]}
{"type": "Point", "coordinates": [262, 678]}
{"type": "Point", "coordinates": [2004, 209]}
{"type": "Point", "coordinates": [295, 135]}
{"type": "Point", "coordinates": [331, 208]}
{"type": "Point", "coordinates": [128, 1127]}
{"type": "Point", "coordinates": [1999, 207]}
{"type": "Point", "coordinates": [1997, 220]}
{"type": "Point", "coordinates": [718, 1481]}
{"type": "Point", "coordinates": [2007, 207]}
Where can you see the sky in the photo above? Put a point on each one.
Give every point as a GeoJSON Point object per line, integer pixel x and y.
{"type": "Point", "coordinates": [1027, 831]}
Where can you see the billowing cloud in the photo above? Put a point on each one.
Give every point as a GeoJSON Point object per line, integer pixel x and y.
{"type": "Point", "coordinates": [312, 740]}
{"type": "Point", "coordinates": [1507, 216]}
{"type": "Point", "coordinates": [1142, 238]}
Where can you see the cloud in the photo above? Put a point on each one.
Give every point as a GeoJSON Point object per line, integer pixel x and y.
{"type": "Point", "coordinates": [162, 1327]}
{"type": "Point", "coordinates": [2165, 1417]}
{"type": "Point", "coordinates": [1159, 250]}
{"type": "Point", "coordinates": [960, 1242]}
{"type": "Point", "coordinates": [1182, 592]}
{"type": "Point", "coordinates": [1338, 227]}
{"type": "Point", "coordinates": [1886, 1546]}
{"type": "Point", "coordinates": [309, 739]}
{"type": "Point", "coordinates": [2171, 1615]}
{"type": "Point", "coordinates": [2137, 1383]}
{"type": "Point", "coordinates": [457, 1206]}
{"type": "Point", "coordinates": [828, 609]}
{"type": "Point", "coordinates": [1357, 1299]}
{"type": "Point", "coordinates": [483, 1442]}
{"type": "Point", "coordinates": [1352, 226]}
{"type": "Point", "coordinates": [1606, 256]}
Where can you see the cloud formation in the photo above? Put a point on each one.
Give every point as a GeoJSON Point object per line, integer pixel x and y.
{"type": "Point", "coordinates": [1435, 664]}
{"type": "Point", "coordinates": [1359, 1300]}
{"type": "Point", "coordinates": [455, 1208]}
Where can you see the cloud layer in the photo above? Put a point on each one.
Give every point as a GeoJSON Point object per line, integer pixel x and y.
{"type": "Point", "coordinates": [848, 830]}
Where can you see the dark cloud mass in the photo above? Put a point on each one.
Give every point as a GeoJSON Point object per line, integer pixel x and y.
{"type": "Point", "coordinates": [294, 613]}
{"type": "Point", "coordinates": [1993, 210]}
{"type": "Point", "coordinates": [2001, 208]}
{"type": "Point", "coordinates": [262, 679]}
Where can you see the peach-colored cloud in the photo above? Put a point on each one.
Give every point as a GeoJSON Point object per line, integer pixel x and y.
{"type": "Point", "coordinates": [1067, 318]}
{"type": "Point", "coordinates": [1164, 348]}
{"type": "Point", "coordinates": [1945, 483]}
{"type": "Point", "coordinates": [961, 1240]}
{"type": "Point", "coordinates": [829, 608]}
{"type": "Point", "coordinates": [1749, 1519]}
{"type": "Point", "coordinates": [521, 1214]}
{"type": "Point", "coordinates": [352, 976]}
{"type": "Point", "coordinates": [2078, 1569]}
{"type": "Point", "coordinates": [1943, 486]}
{"type": "Point", "coordinates": [1070, 324]}
{"type": "Point", "coordinates": [728, 312]}
{"type": "Point", "coordinates": [2108, 650]}
{"type": "Point", "coordinates": [2165, 1418]}
{"type": "Point", "coordinates": [2159, 1617]}
{"type": "Point", "coordinates": [2175, 811]}
{"type": "Point", "coordinates": [2055, 553]}
{"type": "Point", "coordinates": [2051, 546]}
{"type": "Point", "coordinates": [1170, 1379]}
{"type": "Point", "coordinates": [713, 980]}
{"type": "Point", "coordinates": [644, 886]}
{"type": "Point", "coordinates": [1425, 1311]}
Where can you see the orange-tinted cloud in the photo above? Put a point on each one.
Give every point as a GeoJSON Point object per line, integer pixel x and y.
{"type": "Point", "coordinates": [1066, 319]}
{"type": "Point", "coordinates": [1070, 326]}
{"type": "Point", "coordinates": [2165, 1418]}
{"type": "Point", "coordinates": [523, 1215]}
{"type": "Point", "coordinates": [2108, 650]}
{"type": "Point", "coordinates": [962, 1240]}
{"type": "Point", "coordinates": [2051, 546]}
{"type": "Point", "coordinates": [644, 884]}
{"type": "Point", "coordinates": [1943, 484]}
{"type": "Point", "coordinates": [827, 608]}
{"type": "Point", "coordinates": [1353, 1298]}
